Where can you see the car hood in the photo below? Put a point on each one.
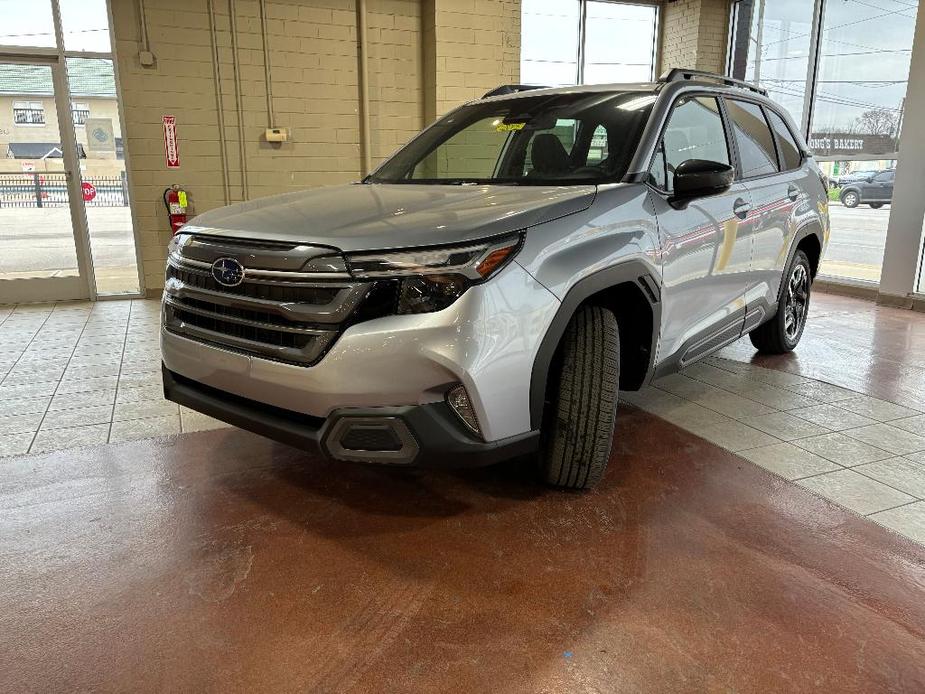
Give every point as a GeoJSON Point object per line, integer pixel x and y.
{"type": "Point", "coordinates": [357, 217]}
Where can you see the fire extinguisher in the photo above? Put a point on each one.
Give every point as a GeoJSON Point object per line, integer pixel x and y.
{"type": "Point", "coordinates": [177, 203]}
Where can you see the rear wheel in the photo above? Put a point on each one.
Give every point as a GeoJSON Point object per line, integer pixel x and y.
{"type": "Point", "coordinates": [783, 332]}
{"type": "Point", "coordinates": [850, 199]}
{"type": "Point", "coordinates": [579, 421]}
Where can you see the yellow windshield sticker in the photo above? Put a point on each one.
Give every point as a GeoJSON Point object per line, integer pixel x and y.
{"type": "Point", "coordinates": [509, 127]}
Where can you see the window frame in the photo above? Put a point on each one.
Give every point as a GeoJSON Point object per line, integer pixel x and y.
{"type": "Point", "coordinates": [581, 41]}
{"type": "Point", "coordinates": [30, 106]}
{"type": "Point", "coordinates": [760, 105]}
{"type": "Point", "coordinates": [780, 158]}
{"type": "Point", "coordinates": [660, 140]}
{"type": "Point", "coordinates": [75, 110]}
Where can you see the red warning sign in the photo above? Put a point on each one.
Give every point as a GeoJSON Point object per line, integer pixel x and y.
{"type": "Point", "coordinates": [171, 148]}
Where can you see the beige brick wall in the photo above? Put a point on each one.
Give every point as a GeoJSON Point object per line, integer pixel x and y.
{"type": "Point", "coordinates": [694, 34]}
{"type": "Point", "coordinates": [476, 48]}
{"type": "Point", "coordinates": [473, 45]}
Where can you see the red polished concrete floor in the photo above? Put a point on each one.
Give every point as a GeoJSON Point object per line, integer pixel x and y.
{"type": "Point", "coordinates": [856, 344]}
{"type": "Point", "coordinates": [220, 561]}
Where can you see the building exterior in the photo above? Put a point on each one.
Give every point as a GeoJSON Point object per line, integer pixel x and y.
{"type": "Point", "coordinates": [30, 139]}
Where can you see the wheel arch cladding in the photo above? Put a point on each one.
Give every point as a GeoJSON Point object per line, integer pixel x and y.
{"type": "Point", "coordinates": [812, 247]}
{"type": "Point", "coordinates": [630, 291]}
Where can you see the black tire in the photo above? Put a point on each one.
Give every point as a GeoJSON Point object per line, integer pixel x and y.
{"type": "Point", "coordinates": [584, 387]}
{"type": "Point", "coordinates": [876, 205]}
{"type": "Point", "coordinates": [782, 333]}
{"type": "Point", "coordinates": [850, 198]}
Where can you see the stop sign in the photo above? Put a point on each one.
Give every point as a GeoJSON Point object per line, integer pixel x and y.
{"type": "Point", "coordinates": [89, 191]}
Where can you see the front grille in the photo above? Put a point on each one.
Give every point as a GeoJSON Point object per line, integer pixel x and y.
{"type": "Point", "coordinates": [285, 316]}
{"type": "Point", "coordinates": [267, 336]}
{"type": "Point", "coordinates": [270, 292]}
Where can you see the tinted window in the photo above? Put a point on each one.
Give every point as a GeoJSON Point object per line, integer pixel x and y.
{"type": "Point", "coordinates": [789, 149]}
{"type": "Point", "coordinates": [694, 131]}
{"type": "Point", "coordinates": [884, 177]}
{"type": "Point", "coordinates": [753, 136]}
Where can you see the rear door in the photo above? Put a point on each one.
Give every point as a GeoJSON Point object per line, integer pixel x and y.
{"type": "Point", "coordinates": [880, 189]}
{"type": "Point", "coordinates": [705, 257]}
{"type": "Point", "coordinates": [774, 176]}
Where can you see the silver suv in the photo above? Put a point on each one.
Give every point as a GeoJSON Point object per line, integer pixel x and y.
{"type": "Point", "coordinates": [490, 288]}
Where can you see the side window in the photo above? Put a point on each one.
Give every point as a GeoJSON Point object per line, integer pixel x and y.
{"type": "Point", "coordinates": [694, 131]}
{"type": "Point", "coordinates": [789, 149]}
{"type": "Point", "coordinates": [884, 177]}
{"type": "Point", "coordinates": [753, 136]}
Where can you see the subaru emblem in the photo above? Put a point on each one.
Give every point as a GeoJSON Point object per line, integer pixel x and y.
{"type": "Point", "coordinates": [228, 272]}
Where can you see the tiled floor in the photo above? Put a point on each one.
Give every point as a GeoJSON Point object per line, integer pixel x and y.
{"type": "Point", "coordinates": [865, 454]}
{"type": "Point", "coordinates": [82, 374]}
{"type": "Point", "coordinates": [75, 374]}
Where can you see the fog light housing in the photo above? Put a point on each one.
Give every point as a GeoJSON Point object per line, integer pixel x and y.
{"type": "Point", "coordinates": [458, 400]}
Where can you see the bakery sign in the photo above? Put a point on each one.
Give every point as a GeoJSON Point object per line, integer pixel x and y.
{"type": "Point", "coordinates": [852, 144]}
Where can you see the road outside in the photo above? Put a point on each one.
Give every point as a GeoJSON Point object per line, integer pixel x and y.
{"type": "Point", "coordinates": [38, 242]}
{"type": "Point", "coordinates": [857, 241]}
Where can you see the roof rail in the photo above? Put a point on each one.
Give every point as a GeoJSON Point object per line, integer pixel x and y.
{"type": "Point", "coordinates": [511, 89]}
{"type": "Point", "coordinates": [679, 73]}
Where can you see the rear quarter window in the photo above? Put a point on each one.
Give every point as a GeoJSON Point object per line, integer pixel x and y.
{"type": "Point", "coordinates": [757, 156]}
{"type": "Point", "coordinates": [789, 149]}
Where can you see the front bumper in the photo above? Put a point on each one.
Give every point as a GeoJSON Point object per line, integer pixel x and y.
{"type": "Point", "coordinates": [487, 340]}
{"type": "Point", "coordinates": [420, 435]}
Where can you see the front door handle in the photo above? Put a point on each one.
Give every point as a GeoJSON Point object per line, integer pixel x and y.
{"type": "Point", "coordinates": [741, 208]}
{"type": "Point", "coordinates": [793, 193]}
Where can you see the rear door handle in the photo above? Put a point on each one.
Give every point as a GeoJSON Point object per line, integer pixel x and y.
{"type": "Point", "coordinates": [741, 208]}
{"type": "Point", "coordinates": [793, 193]}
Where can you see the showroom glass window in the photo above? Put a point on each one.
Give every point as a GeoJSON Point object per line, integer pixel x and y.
{"type": "Point", "coordinates": [587, 42]}
{"type": "Point", "coordinates": [840, 67]}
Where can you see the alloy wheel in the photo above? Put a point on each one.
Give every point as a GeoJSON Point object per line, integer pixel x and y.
{"type": "Point", "coordinates": [797, 300]}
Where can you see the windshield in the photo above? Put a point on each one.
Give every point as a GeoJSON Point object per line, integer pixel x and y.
{"type": "Point", "coordinates": [551, 139]}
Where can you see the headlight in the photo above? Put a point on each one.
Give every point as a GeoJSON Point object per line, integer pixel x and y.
{"type": "Point", "coordinates": [433, 278]}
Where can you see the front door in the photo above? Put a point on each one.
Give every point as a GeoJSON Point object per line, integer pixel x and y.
{"type": "Point", "coordinates": [706, 245]}
{"type": "Point", "coordinates": [44, 253]}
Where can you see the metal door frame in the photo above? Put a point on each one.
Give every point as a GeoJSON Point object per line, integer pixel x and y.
{"type": "Point", "coordinates": [84, 285]}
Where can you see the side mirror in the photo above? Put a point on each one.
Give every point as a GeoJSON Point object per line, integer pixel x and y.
{"type": "Point", "coordinates": [698, 178]}
{"type": "Point", "coordinates": [869, 179]}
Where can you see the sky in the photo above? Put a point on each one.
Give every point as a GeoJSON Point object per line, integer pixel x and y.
{"type": "Point", "coordinates": [29, 23]}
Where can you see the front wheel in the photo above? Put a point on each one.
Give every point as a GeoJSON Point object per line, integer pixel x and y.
{"type": "Point", "coordinates": [850, 199]}
{"type": "Point", "coordinates": [876, 205]}
{"type": "Point", "coordinates": [782, 333]}
{"type": "Point", "coordinates": [579, 422]}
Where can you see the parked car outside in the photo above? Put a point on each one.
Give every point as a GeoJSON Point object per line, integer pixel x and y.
{"type": "Point", "coordinates": [876, 190]}
{"type": "Point", "coordinates": [854, 176]}
{"type": "Point", "coordinates": [489, 289]}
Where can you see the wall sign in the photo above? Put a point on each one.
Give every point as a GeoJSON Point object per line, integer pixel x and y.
{"type": "Point", "coordinates": [847, 145]}
{"type": "Point", "coordinates": [171, 148]}
{"type": "Point", "coordinates": [100, 136]}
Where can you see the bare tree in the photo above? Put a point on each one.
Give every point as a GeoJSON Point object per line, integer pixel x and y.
{"type": "Point", "coordinates": [877, 121]}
